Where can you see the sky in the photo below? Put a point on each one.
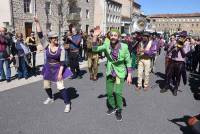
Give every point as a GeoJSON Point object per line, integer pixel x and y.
{"type": "Point", "coordinates": [169, 6]}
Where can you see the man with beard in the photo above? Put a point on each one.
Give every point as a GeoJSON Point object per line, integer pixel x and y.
{"type": "Point", "coordinates": [118, 64]}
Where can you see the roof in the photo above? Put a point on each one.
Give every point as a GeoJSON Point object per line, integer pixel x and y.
{"type": "Point", "coordinates": [174, 15]}
{"type": "Point", "coordinates": [136, 5]}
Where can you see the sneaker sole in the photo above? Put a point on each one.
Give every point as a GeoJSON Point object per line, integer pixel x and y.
{"type": "Point", "coordinates": [111, 113]}
{"type": "Point", "coordinates": [119, 120]}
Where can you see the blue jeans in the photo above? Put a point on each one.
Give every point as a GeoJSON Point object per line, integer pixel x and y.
{"type": "Point", "coordinates": [22, 69]}
{"type": "Point", "coordinates": [7, 69]}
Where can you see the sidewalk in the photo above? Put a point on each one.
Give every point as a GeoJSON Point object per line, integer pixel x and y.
{"type": "Point", "coordinates": [16, 83]}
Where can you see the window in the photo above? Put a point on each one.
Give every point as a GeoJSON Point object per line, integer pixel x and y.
{"type": "Point", "coordinates": [111, 18]}
{"type": "Point", "coordinates": [108, 18]}
{"type": "Point", "coordinates": [87, 14]}
{"type": "Point", "coordinates": [87, 28]}
{"type": "Point", "coordinates": [48, 8]}
{"type": "Point", "coordinates": [27, 6]}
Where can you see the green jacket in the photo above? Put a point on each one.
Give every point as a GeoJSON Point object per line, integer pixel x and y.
{"type": "Point", "coordinates": [120, 66]}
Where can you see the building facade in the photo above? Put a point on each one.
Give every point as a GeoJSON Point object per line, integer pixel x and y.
{"type": "Point", "coordinates": [126, 16]}
{"type": "Point", "coordinates": [51, 14]}
{"type": "Point", "coordinates": [86, 14]}
{"type": "Point", "coordinates": [107, 14]}
{"type": "Point", "coordinates": [54, 15]}
{"type": "Point", "coordinates": [5, 14]}
{"type": "Point", "coordinates": [176, 22]}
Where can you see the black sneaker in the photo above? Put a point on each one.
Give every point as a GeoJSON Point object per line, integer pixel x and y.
{"type": "Point", "coordinates": [73, 77]}
{"type": "Point", "coordinates": [118, 115]}
{"type": "Point", "coordinates": [165, 89]}
{"type": "Point", "coordinates": [80, 77]}
{"type": "Point", "coordinates": [111, 111]}
{"type": "Point", "coordinates": [8, 80]}
{"type": "Point", "coordinates": [175, 91]}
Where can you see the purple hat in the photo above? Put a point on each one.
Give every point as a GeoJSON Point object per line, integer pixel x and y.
{"type": "Point", "coordinates": [183, 34]}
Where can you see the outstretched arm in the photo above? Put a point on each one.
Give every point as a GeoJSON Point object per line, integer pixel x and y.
{"type": "Point", "coordinates": [38, 26]}
{"type": "Point", "coordinates": [43, 41]}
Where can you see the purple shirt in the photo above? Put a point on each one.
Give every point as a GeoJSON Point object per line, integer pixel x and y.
{"type": "Point", "coordinates": [186, 49]}
{"type": "Point", "coordinates": [114, 54]}
{"type": "Point", "coordinates": [153, 49]}
{"type": "Point", "coordinates": [169, 51]}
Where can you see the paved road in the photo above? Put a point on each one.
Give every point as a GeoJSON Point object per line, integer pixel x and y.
{"type": "Point", "coordinates": [22, 111]}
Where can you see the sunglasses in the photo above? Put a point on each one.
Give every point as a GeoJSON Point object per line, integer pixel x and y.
{"type": "Point", "coordinates": [113, 35]}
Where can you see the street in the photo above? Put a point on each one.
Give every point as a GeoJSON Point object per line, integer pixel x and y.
{"type": "Point", "coordinates": [22, 110]}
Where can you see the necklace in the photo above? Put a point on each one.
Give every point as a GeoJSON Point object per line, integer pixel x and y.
{"type": "Point", "coordinates": [52, 53]}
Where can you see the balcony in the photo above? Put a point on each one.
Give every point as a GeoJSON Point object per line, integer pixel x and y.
{"type": "Point", "coordinates": [74, 17]}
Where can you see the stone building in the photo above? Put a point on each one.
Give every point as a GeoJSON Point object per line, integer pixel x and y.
{"type": "Point", "coordinates": [86, 14]}
{"type": "Point", "coordinates": [126, 16]}
{"type": "Point", "coordinates": [176, 22]}
{"type": "Point", "coordinates": [113, 15]}
{"type": "Point", "coordinates": [51, 14]}
{"type": "Point", "coordinates": [5, 14]}
{"type": "Point", "coordinates": [107, 14]}
{"type": "Point", "coordinates": [55, 15]}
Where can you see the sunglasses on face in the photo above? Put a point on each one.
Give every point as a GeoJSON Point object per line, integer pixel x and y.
{"type": "Point", "coordinates": [113, 35]}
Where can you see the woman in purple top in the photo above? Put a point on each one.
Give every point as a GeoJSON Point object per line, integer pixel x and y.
{"type": "Point", "coordinates": [54, 69]}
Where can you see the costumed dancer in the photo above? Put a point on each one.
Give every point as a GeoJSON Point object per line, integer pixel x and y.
{"type": "Point", "coordinates": [118, 64]}
{"type": "Point", "coordinates": [177, 67]}
{"type": "Point", "coordinates": [145, 52]}
{"type": "Point", "coordinates": [93, 58]}
{"type": "Point", "coordinates": [54, 69]}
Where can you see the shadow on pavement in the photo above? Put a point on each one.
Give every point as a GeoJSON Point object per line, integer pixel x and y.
{"type": "Point", "coordinates": [100, 75]}
{"type": "Point", "coordinates": [72, 94]}
{"type": "Point", "coordinates": [161, 75]}
{"type": "Point", "coordinates": [134, 81]}
{"type": "Point", "coordinates": [194, 83]}
{"type": "Point", "coordinates": [83, 72]}
{"type": "Point", "coordinates": [105, 96]}
{"type": "Point", "coordinates": [184, 128]}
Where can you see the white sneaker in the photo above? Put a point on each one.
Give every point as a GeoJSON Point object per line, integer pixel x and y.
{"type": "Point", "coordinates": [48, 101]}
{"type": "Point", "coordinates": [67, 108]}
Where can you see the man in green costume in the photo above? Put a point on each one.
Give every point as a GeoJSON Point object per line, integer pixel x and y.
{"type": "Point", "coordinates": [118, 67]}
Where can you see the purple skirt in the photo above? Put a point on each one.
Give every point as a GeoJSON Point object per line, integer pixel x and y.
{"type": "Point", "coordinates": [50, 72]}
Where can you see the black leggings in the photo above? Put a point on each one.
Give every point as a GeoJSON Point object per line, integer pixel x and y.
{"type": "Point", "coordinates": [74, 62]}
